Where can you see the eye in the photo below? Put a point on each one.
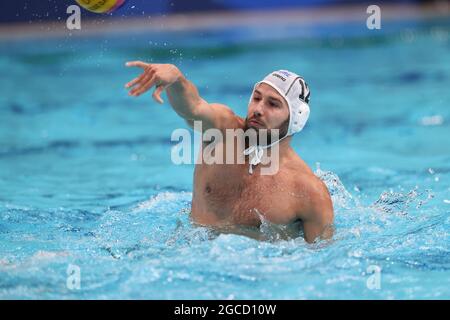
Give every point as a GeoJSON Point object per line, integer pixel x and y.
{"type": "Point", "coordinates": [256, 98]}
{"type": "Point", "coordinates": [273, 105]}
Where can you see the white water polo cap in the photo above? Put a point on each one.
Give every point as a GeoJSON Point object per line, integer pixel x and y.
{"type": "Point", "coordinates": [295, 91]}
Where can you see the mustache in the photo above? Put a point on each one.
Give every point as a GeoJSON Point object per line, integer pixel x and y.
{"type": "Point", "coordinates": [256, 120]}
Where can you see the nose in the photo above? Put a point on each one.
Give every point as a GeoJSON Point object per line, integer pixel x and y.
{"type": "Point", "coordinates": [258, 111]}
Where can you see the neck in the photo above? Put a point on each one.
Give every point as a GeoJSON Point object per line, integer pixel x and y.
{"type": "Point", "coordinates": [285, 147]}
{"type": "Point", "coordinates": [283, 144]}
{"type": "Point", "coordinates": [281, 148]}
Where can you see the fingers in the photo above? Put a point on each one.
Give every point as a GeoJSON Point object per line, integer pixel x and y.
{"type": "Point", "coordinates": [144, 85]}
{"type": "Point", "coordinates": [157, 93]}
{"type": "Point", "coordinates": [135, 81]}
{"type": "Point", "coordinates": [145, 81]}
{"type": "Point", "coordinates": [141, 79]}
{"type": "Point", "coordinates": [137, 64]}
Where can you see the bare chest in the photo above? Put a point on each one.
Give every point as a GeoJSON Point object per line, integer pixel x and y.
{"type": "Point", "coordinates": [229, 194]}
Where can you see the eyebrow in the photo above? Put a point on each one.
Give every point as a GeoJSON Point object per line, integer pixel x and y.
{"type": "Point", "coordinates": [270, 97]}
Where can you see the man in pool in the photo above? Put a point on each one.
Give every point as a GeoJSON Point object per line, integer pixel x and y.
{"type": "Point", "coordinates": [231, 194]}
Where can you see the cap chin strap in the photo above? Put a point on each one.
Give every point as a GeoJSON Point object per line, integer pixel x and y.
{"type": "Point", "coordinates": [255, 153]}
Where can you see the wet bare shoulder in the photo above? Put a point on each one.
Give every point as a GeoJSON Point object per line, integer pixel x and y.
{"type": "Point", "coordinates": [315, 198]}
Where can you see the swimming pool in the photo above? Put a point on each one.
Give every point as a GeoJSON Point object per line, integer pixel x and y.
{"type": "Point", "coordinates": [86, 178]}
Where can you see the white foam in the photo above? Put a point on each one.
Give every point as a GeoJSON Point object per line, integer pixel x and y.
{"type": "Point", "coordinates": [161, 198]}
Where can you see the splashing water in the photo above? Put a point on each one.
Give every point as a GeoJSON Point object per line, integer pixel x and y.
{"type": "Point", "coordinates": [152, 250]}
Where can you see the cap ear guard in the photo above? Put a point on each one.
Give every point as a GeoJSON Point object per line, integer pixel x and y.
{"type": "Point", "coordinates": [298, 99]}
{"type": "Point", "coordinates": [299, 117]}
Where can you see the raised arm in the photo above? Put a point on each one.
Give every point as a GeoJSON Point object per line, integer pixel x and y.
{"type": "Point", "coordinates": [183, 95]}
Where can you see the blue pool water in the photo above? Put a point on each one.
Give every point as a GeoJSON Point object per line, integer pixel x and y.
{"type": "Point", "coordinates": [86, 178]}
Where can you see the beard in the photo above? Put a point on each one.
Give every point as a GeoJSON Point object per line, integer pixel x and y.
{"type": "Point", "coordinates": [283, 129]}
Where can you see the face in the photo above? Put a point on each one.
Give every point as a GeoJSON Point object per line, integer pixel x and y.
{"type": "Point", "coordinates": [267, 110]}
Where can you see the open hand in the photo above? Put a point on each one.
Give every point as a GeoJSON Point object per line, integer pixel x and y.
{"type": "Point", "coordinates": [159, 75]}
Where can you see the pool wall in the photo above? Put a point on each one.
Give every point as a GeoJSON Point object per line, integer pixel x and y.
{"type": "Point", "coordinates": [26, 10]}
